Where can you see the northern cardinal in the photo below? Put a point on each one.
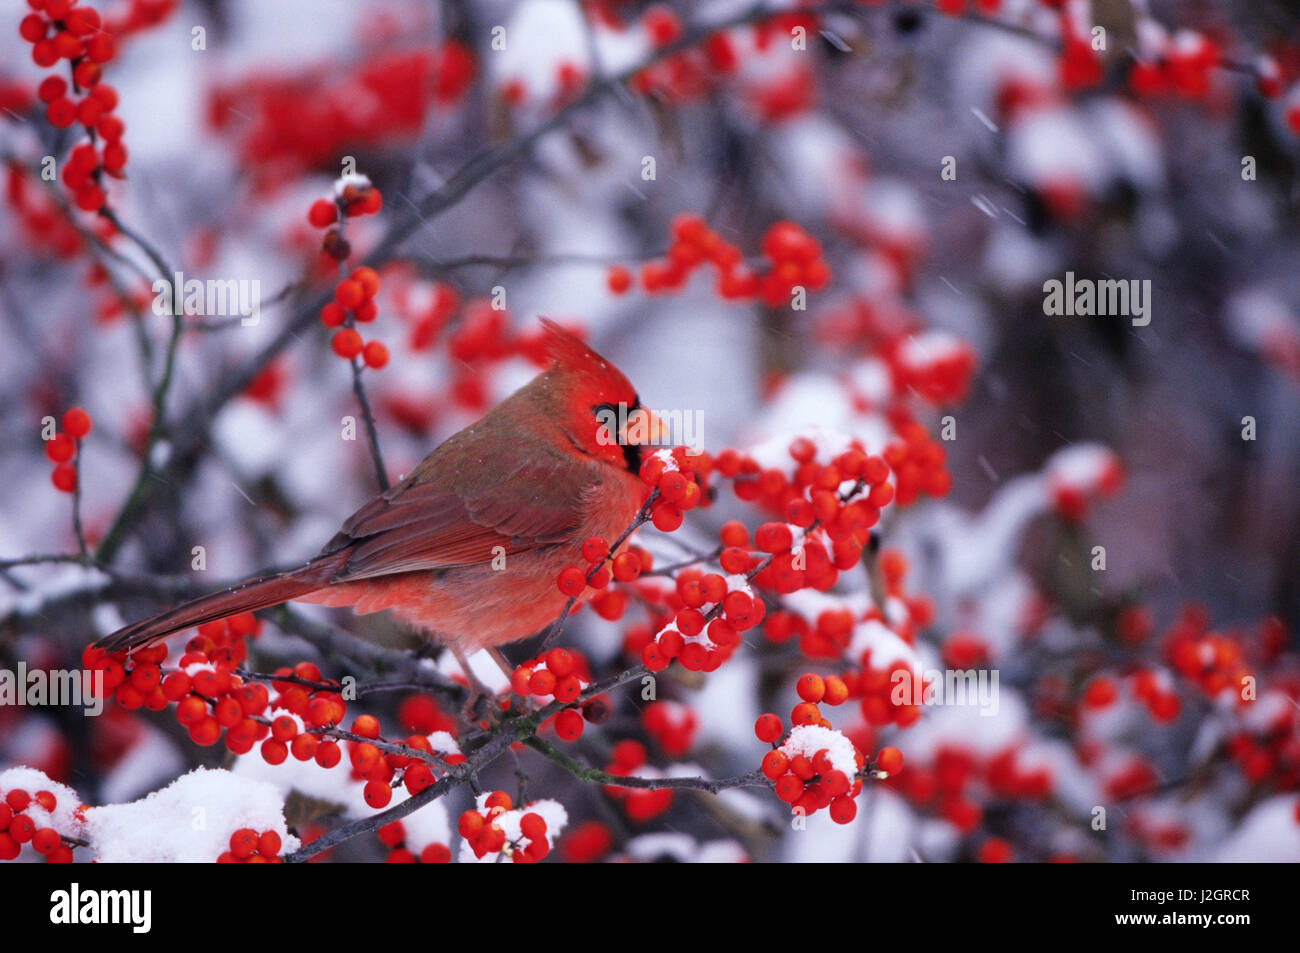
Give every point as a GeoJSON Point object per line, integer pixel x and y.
{"type": "Point", "coordinates": [529, 482]}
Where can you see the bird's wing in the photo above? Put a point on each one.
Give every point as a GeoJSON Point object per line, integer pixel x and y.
{"type": "Point", "coordinates": [453, 511]}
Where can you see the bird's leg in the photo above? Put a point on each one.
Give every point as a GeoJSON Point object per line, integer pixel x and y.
{"type": "Point", "coordinates": [478, 692]}
{"type": "Point", "coordinates": [503, 663]}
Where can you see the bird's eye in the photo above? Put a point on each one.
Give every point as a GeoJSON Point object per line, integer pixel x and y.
{"type": "Point", "coordinates": [605, 412]}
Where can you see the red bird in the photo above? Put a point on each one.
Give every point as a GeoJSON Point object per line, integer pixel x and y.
{"type": "Point", "coordinates": [467, 548]}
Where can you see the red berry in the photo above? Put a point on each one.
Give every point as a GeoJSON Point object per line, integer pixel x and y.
{"type": "Point", "coordinates": [843, 810]}
{"type": "Point", "coordinates": [594, 549]}
{"type": "Point", "coordinates": [572, 581]}
{"type": "Point", "coordinates": [46, 840]}
{"type": "Point", "coordinates": [378, 794]}
{"type": "Point", "coordinates": [619, 279]}
{"type": "Point", "coordinates": [805, 713]}
{"type": "Point", "coordinates": [243, 842]}
{"type": "Point", "coordinates": [60, 448]}
{"type": "Point", "coordinates": [627, 566]}
{"type": "Point", "coordinates": [322, 213]}
{"type": "Point", "coordinates": [533, 826]}
{"type": "Point", "coordinates": [64, 477]}
{"type": "Point", "coordinates": [346, 343]}
{"type": "Point", "coordinates": [52, 88]}
{"type": "Point", "coordinates": [768, 728]}
{"type": "Point", "coordinates": [773, 538]}
{"type": "Point", "coordinates": [375, 354]}
{"type": "Point", "coordinates": [76, 423]}
{"type": "Point", "coordinates": [32, 27]}
{"type": "Point", "coordinates": [569, 725]}
{"type": "Point", "coordinates": [889, 759]}
{"type": "Point", "coordinates": [811, 688]}
{"type": "Point", "coordinates": [61, 113]}
{"type": "Point", "coordinates": [328, 754]}
{"type": "Point", "coordinates": [775, 764]}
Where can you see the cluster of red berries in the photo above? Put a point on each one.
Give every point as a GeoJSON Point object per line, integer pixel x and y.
{"type": "Point", "coordinates": [828, 637]}
{"type": "Point", "coordinates": [63, 447]}
{"type": "Point", "coordinates": [560, 673]}
{"type": "Point", "coordinates": [1270, 756]}
{"type": "Point", "coordinates": [18, 828]}
{"type": "Point", "coordinates": [211, 698]}
{"type": "Point", "coordinates": [420, 713]}
{"type": "Point", "coordinates": [354, 301]}
{"type": "Point", "coordinates": [639, 804]}
{"type": "Point", "coordinates": [625, 567]}
{"type": "Point", "coordinates": [672, 725]}
{"type": "Point", "coordinates": [383, 772]}
{"type": "Point", "coordinates": [269, 115]}
{"type": "Point", "coordinates": [705, 628]}
{"type": "Point", "coordinates": [693, 73]}
{"type": "Point", "coordinates": [485, 834]}
{"type": "Point", "coordinates": [1182, 70]}
{"type": "Point", "coordinates": [1079, 67]}
{"type": "Point", "coordinates": [569, 77]}
{"type": "Point", "coordinates": [809, 494]}
{"type": "Point", "coordinates": [875, 690]}
{"type": "Point", "coordinates": [681, 477]}
{"type": "Point", "coordinates": [45, 226]}
{"type": "Point", "coordinates": [538, 678]}
{"type": "Point", "coordinates": [918, 465]}
{"type": "Point", "coordinates": [935, 367]}
{"type": "Point", "coordinates": [1134, 777]}
{"type": "Point", "coordinates": [355, 196]}
{"type": "Point", "coordinates": [1212, 662]}
{"type": "Point", "coordinates": [942, 788]}
{"type": "Point", "coordinates": [810, 782]}
{"type": "Point", "coordinates": [393, 836]}
{"type": "Point", "coordinates": [61, 30]}
{"type": "Point", "coordinates": [1007, 778]}
{"type": "Point", "coordinates": [137, 680]}
{"type": "Point", "coordinates": [794, 260]}
{"type": "Point", "coordinates": [1161, 701]}
{"type": "Point", "coordinates": [247, 846]}
{"type": "Point", "coordinates": [587, 843]}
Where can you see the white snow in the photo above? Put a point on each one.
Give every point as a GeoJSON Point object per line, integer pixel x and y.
{"type": "Point", "coordinates": [189, 821]}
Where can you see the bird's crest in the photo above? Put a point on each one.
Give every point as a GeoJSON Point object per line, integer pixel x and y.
{"type": "Point", "coordinates": [569, 352]}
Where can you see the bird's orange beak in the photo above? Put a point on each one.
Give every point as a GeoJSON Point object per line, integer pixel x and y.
{"type": "Point", "coordinates": [643, 429]}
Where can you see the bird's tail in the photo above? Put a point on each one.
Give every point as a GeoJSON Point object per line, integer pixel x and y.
{"type": "Point", "coordinates": [248, 596]}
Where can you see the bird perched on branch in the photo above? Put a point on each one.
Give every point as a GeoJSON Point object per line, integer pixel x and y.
{"type": "Point", "coordinates": [467, 548]}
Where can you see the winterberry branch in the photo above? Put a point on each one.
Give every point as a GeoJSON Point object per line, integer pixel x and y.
{"type": "Point", "coordinates": [484, 756]}
{"type": "Point", "coordinates": [695, 560]}
{"type": "Point", "coordinates": [582, 772]}
{"type": "Point", "coordinates": [372, 432]}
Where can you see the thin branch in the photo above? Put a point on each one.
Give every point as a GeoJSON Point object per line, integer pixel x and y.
{"type": "Point", "coordinates": [372, 433]}
{"type": "Point", "coordinates": [462, 773]}
{"type": "Point", "coordinates": [583, 772]}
